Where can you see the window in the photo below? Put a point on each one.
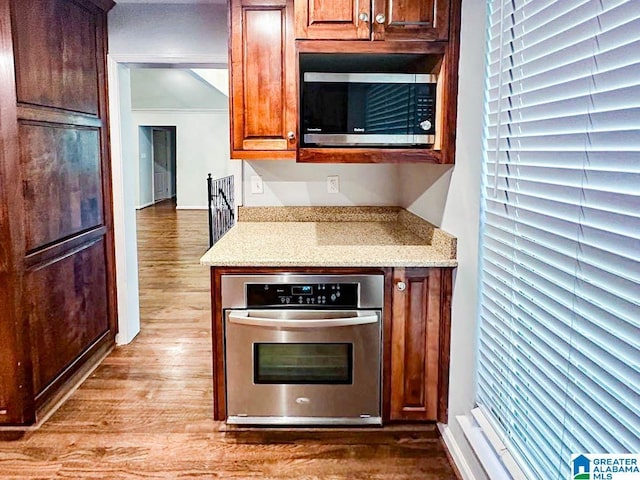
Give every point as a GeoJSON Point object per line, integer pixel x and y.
{"type": "Point", "coordinates": [559, 340]}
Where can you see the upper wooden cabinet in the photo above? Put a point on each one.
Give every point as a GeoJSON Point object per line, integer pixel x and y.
{"type": "Point", "coordinates": [372, 19]}
{"type": "Point", "coordinates": [263, 80]}
{"type": "Point", "coordinates": [333, 19]}
{"type": "Point", "coordinates": [266, 61]}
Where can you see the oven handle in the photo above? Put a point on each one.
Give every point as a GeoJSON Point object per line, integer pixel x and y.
{"type": "Point", "coordinates": [243, 318]}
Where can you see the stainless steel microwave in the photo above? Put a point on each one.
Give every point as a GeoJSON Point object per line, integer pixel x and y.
{"type": "Point", "coordinates": [368, 109]}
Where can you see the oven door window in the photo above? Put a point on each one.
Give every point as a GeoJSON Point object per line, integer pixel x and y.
{"type": "Point", "coordinates": [303, 363]}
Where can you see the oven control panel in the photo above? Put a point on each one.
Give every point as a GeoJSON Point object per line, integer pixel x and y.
{"type": "Point", "coordinates": [317, 295]}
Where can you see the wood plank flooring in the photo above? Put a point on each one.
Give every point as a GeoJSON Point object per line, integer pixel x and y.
{"type": "Point", "coordinates": [146, 411]}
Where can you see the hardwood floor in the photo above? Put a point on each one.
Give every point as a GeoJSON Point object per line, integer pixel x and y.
{"type": "Point", "coordinates": [146, 411]}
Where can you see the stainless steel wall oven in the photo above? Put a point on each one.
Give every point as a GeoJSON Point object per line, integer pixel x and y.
{"type": "Point", "coordinates": [303, 349]}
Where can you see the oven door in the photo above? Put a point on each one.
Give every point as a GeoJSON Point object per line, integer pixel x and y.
{"type": "Point", "coordinates": [303, 367]}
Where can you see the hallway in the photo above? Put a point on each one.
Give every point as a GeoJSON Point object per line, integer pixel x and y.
{"type": "Point", "coordinates": [146, 411]}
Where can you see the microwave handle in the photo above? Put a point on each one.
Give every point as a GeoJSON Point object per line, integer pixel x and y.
{"type": "Point", "coordinates": [243, 318]}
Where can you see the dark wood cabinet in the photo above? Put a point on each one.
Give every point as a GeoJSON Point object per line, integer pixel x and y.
{"type": "Point", "coordinates": [57, 308]}
{"type": "Point", "coordinates": [372, 20]}
{"type": "Point", "coordinates": [263, 80]}
{"type": "Point", "coordinates": [420, 344]}
{"type": "Point", "coordinates": [427, 32]}
{"type": "Point", "coordinates": [265, 58]}
{"type": "Point", "coordinates": [333, 19]}
{"type": "Point", "coordinates": [415, 332]}
{"type": "Point", "coordinates": [410, 20]}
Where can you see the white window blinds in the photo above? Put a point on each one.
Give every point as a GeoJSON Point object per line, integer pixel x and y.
{"type": "Point", "coordinates": [559, 341]}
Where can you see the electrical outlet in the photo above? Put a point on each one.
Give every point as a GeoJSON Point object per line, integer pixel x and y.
{"type": "Point", "coordinates": [333, 184]}
{"type": "Point", "coordinates": [256, 184]}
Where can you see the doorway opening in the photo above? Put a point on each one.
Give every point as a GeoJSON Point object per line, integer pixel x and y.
{"type": "Point", "coordinates": [158, 164]}
{"type": "Point", "coordinates": [144, 94]}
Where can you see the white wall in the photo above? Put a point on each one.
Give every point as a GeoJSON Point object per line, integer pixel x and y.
{"type": "Point", "coordinates": [188, 30]}
{"type": "Point", "coordinates": [145, 166]}
{"type": "Point", "coordinates": [201, 144]}
{"type": "Point", "coordinates": [450, 198]}
{"type": "Point", "coordinates": [290, 183]}
{"type": "Point", "coordinates": [125, 180]}
{"type": "Point", "coordinates": [178, 97]}
{"type": "Point", "coordinates": [174, 88]}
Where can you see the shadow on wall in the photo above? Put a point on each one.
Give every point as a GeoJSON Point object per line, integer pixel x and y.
{"type": "Point", "coordinates": [294, 184]}
{"type": "Point", "coordinates": [424, 190]}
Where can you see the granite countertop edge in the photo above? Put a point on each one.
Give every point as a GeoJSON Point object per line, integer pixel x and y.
{"type": "Point", "coordinates": [433, 247]}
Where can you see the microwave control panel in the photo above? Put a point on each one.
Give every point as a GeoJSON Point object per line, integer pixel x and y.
{"type": "Point", "coordinates": [265, 295]}
{"type": "Point", "coordinates": [426, 108]}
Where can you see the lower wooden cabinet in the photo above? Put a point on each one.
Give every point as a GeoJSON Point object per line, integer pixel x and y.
{"type": "Point", "coordinates": [420, 333]}
{"type": "Point", "coordinates": [416, 331]}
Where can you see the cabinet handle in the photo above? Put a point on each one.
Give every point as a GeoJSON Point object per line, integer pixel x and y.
{"type": "Point", "coordinates": [363, 17]}
{"type": "Point", "coordinates": [380, 18]}
{"type": "Point", "coordinates": [291, 136]}
{"type": "Point", "coordinates": [401, 286]}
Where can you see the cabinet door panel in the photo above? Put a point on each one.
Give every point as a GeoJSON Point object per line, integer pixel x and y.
{"type": "Point", "coordinates": [263, 77]}
{"type": "Point", "coordinates": [62, 182]}
{"type": "Point", "coordinates": [56, 56]}
{"type": "Point", "coordinates": [67, 310]}
{"type": "Point", "coordinates": [332, 19]}
{"type": "Point", "coordinates": [263, 71]}
{"type": "Point", "coordinates": [411, 20]}
{"type": "Point", "coordinates": [415, 337]}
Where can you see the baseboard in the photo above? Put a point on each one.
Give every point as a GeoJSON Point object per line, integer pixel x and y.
{"type": "Point", "coordinates": [456, 453]}
{"type": "Point", "coordinates": [191, 207]}
{"type": "Point", "coordinates": [145, 205]}
{"type": "Point", "coordinates": [57, 399]}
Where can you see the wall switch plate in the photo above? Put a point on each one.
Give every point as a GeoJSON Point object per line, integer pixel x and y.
{"type": "Point", "coordinates": [256, 184]}
{"type": "Point", "coordinates": [333, 184]}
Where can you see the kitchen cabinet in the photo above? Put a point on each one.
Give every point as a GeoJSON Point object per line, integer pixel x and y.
{"type": "Point", "coordinates": [416, 325]}
{"type": "Point", "coordinates": [436, 54]}
{"type": "Point", "coordinates": [416, 20]}
{"type": "Point", "coordinates": [58, 297]}
{"type": "Point", "coordinates": [265, 58]}
{"type": "Point", "coordinates": [421, 304]}
{"type": "Point", "coordinates": [263, 80]}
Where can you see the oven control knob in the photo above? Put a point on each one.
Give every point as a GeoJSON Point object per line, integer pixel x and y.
{"type": "Point", "coordinates": [425, 125]}
{"type": "Point", "coordinates": [287, 300]}
{"type": "Point", "coordinates": [333, 297]}
{"type": "Point", "coordinates": [401, 286]}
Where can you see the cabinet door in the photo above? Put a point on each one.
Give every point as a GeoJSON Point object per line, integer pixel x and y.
{"type": "Point", "coordinates": [333, 19]}
{"type": "Point", "coordinates": [419, 346]}
{"type": "Point", "coordinates": [263, 81]}
{"type": "Point", "coordinates": [410, 19]}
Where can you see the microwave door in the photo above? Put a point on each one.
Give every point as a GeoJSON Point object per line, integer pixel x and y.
{"type": "Point", "coordinates": [326, 107]}
{"type": "Point", "coordinates": [363, 113]}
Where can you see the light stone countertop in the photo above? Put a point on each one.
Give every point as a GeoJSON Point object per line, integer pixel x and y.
{"type": "Point", "coordinates": [371, 237]}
